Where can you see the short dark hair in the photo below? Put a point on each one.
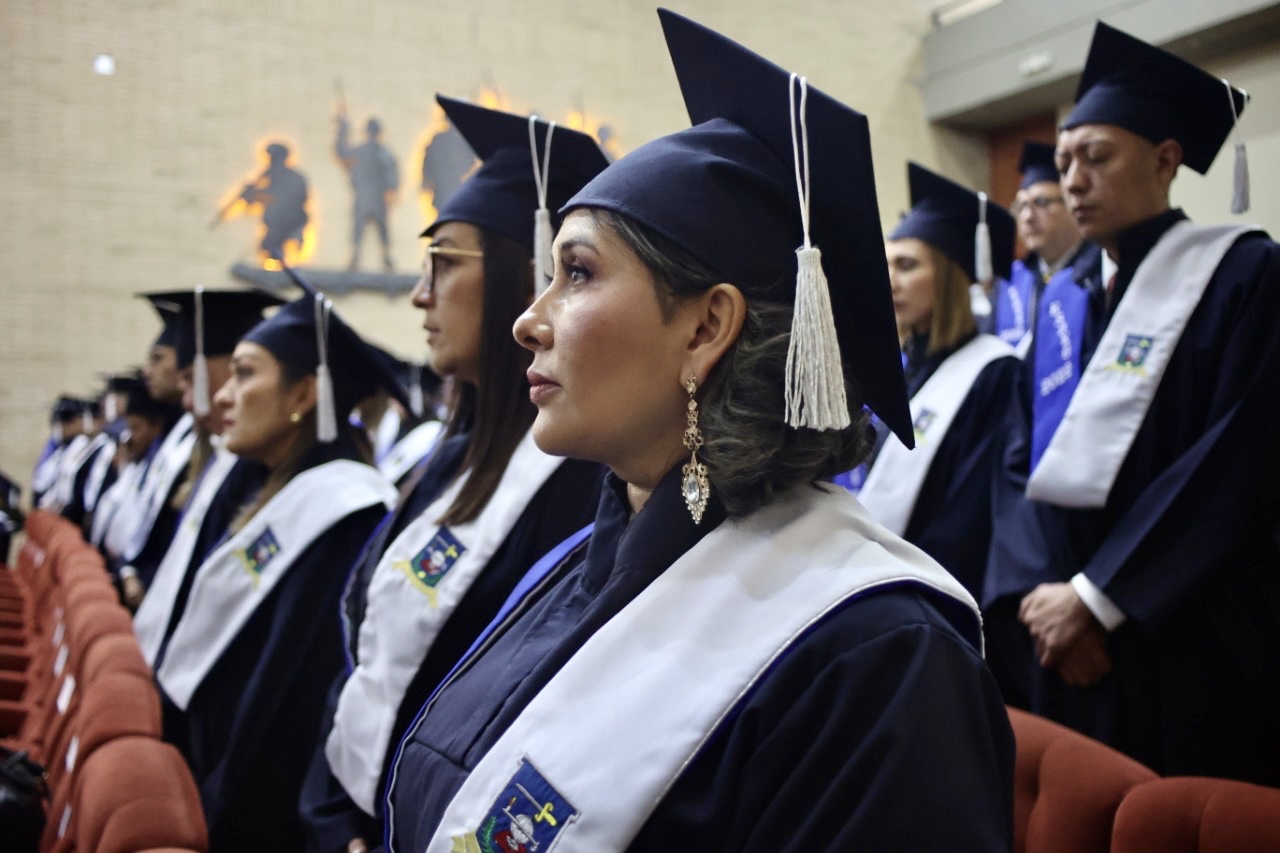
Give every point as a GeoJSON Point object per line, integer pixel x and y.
{"type": "Point", "coordinates": [751, 454]}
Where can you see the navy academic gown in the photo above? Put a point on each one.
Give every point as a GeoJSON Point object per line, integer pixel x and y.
{"type": "Point", "coordinates": [951, 520]}
{"type": "Point", "coordinates": [250, 726]}
{"type": "Point", "coordinates": [563, 505]}
{"type": "Point", "coordinates": [815, 758]}
{"type": "Point", "coordinates": [1186, 545]}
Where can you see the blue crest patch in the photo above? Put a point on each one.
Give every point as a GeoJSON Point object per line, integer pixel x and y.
{"type": "Point", "coordinates": [433, 562]}
{"type": "Point", "coordinates": [527, 817]}
{"type": "Point", "coordinates": [259, 553]}
{"type": "Point", "coordinates": [922, 422]}
{"type": "Point", "coordinates": [1134, 352]}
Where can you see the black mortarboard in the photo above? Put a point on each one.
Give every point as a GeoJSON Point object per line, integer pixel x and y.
{"type": "Point", "coordinates": [296, 336]}
{"type": "Point", "coordinates": [67, 408]}
{"type": "Point", "coordinates": [946, 216]}
{"type": "Point", "coordinates": [725, 190]}
{"type": "Point", "coordinates": [417, 378]}
{"type": "Point", "coordinates": [503, 195]}
{"type": "Point", "coordinates": [227, 315]}
{"type": "Point", "coordinates": [168, 312]}
{"type": "Point", "coordinates": [1037, 164]}
{"type": "Point", "coordinates": [139, 400]}
{"type": "Point", "coordinates": [1148, 91]}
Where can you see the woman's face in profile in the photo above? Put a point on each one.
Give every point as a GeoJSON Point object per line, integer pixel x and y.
{"type": "Point", "coordinates": [911, 279]}
{"type": "Point", "coordinates": [606, 374]}
{"type": "Point", "coordinates": [451, 296]}
{"type": "Point", "coordinates": [254, 405]}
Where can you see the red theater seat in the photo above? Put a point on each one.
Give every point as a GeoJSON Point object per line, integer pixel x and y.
{"type": "Point", "coordinates": [1067, 788]}
{"type": "Point", "coordinates": [1189, 814]}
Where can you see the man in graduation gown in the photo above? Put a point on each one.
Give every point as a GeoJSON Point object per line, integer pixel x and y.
{"type": "Point", "coordinates": [1053, 241]}
{"type": "Point", "coordinates": [1140, 553]}
{"type": "Point", "coordinates": [67, 422]}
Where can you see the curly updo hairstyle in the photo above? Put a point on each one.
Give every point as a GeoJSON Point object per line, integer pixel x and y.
{"type": "Point", "coordinates": [750, 452]}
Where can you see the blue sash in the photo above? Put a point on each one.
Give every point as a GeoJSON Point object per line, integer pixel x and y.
{"type": "Point", "coordinates": [1014, 303]}
{"type": "Point", "coordinates": [1059, 334]}
{"type": "Point", "coordinates": [854, 480]}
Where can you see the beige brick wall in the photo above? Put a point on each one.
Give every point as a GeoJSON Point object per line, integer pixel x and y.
{"type": "Point", "coordinates": [108, 184]}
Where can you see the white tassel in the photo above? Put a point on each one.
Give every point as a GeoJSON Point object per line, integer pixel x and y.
{"type": "Point", "coordinates": [982, 270]}
{"type": "Point", "coordinates": [815, 392]}
{"type": "Point", "coordinates": [543, 266]}
{"type": "Point", "coordinates": [110, 410]}
{"type": "Point", "coordinates": [86, 420]}
{"type": "Point", "coordinates": [200, 386]}
{"type": "Point", "coordinates": [200, 367]}
{"type": "Point", "coordinates": [326, 408]}
{"type": "Point", "coordinates": [57, 432]}
{"type": "Point", "coordinates": [1240, 184]}
{"type": "Point", "coordinates": [326, 415]}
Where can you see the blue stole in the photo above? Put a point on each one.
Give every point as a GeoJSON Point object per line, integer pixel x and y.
{"type": "Point", "coordinates": [854, 480]}
{"type": "Point", "coordinates": [1064, 308]}
{"type": "Point", "coordinates": [1013, 304]}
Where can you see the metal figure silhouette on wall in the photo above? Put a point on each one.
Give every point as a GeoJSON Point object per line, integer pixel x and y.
{"type": "Point", "coordinates": [375, 178]}
{"type": "Point", "coordinates": [281, 193]}
{"type": "Point", "coordinates": [445, 162]}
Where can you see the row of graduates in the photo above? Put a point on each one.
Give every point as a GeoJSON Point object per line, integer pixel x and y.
{"type": "Point", "coordinates": [687, 643]}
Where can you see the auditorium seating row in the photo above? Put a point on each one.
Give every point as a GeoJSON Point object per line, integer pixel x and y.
{"type": "Point", "coordinates": [77, 696]}
{"type": "Point", "coordinates": [1075, 795]}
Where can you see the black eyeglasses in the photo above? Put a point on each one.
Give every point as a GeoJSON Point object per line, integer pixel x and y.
{"type": "Point", "coordinates": [1040, 203]}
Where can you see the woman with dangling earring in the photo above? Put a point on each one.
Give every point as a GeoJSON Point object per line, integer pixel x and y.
{"type": "Point", "coordinates": [960, 381]}
{"type": "Point", "coordinates": [247, 666]}
{"type": "Point", "coordinates": [487, 503]}
{"type": "Point", "coordinates": [737, 657]}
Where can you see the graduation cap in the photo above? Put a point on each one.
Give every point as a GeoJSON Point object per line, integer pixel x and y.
{"type": "Point", "coordinates": [529, 168]}
{"type": "Point", "coordinates": [211, 322]}
{"type": "Point", "coordinates": [308, 336]}
{"type": "Point", "coordinates": [771, 170]}
{"type": "Point", "coordinates": [139, 401]}
{"type": "Point", "coordinates": [417, 378]}
{"type": "Point", "coordinates": [964, 225]}
{"type": "Point", "coordinates": [1037, 164]}
{"type": "Point", "coordinates": [1148, 91]}
{"type": "Point", "coordinates": [66, 409]}
{"type": "Point", "coordinates": [168, 312]}
{"type": "Point", "coordinates": [116, 384]}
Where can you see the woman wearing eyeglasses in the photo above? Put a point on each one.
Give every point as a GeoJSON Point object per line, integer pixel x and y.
{"type": "Point", "coordinates": [738, 657]}
{"type": "Point", "coordinates": [250, 660]}
{"type": "Point", "coordinates": [937, 495]}
{"type": "Point", "coordinates": [487, 502]}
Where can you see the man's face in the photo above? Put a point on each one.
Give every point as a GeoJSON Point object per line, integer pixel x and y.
{"type": "Point", "coordinates": [1044, 222]}
{"type": "Point", "coordinates": [1114, 179]}
{"type": "Point", "coordinates": [161, 374]}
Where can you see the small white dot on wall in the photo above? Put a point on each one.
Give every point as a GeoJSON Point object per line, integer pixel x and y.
{"type": "Point", "coordinates": [103, 64]}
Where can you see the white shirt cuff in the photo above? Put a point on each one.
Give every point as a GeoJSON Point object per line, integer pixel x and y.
{"type": "Point", "coordinates": [1102, 608]}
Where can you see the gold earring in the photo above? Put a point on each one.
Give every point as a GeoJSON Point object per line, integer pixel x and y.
{"type": "Point", "coordinates": [695, 486]}
{"type": "Point", "coordinates": [296, 417]}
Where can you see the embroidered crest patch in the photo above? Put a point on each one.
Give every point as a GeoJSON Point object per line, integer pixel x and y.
{"type": "Point", "coordinates": [1133, 355]}
{"type": "Point", "coordinates": [922, 422]}
{"type": "Point", "coordinates": [527, 817]}
{"type": "Point", "coordinates": [433, 562]}
{"type": "Point", "coordinates": [258, 554]}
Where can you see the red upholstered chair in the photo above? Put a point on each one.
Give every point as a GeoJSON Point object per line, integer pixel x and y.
{"type": "Point", "coordinates": [1066, 788]}
{"type": "Point", "coordinates": [132, 794]}
{"type": "Point", "coordinates": [1190, 814]}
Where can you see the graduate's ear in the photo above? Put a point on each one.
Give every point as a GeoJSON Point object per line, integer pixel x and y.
{"type": "Point", "coordinates": [716, 318]}
{"type": "Point", "coordinates": [300, 396]}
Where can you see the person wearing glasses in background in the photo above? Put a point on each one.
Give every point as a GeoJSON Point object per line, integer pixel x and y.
{"type": "Point", "coordinates": [487, 503]}
{"type": "Point", "coordinates": [1053, 241]}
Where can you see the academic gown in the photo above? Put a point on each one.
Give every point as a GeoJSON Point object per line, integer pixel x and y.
{"type": "Point", "coordinates": [815, 758]}
{"type": "Point", "coordinates": [951, 520]}
{"type": "Point", "coordinates": [251, 724]}
{"type": "Point", "coordinates": [563, 505]}
{"type": "Point", "coordinates": [1186, 544]}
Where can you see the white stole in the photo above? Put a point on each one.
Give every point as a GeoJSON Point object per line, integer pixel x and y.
{"type": "Point", "coordinates": [101, 464]}
{"type": "Point", "coordinates": [592, 755]}
{"type": "Point", "coordinates": [894, 482]}
{"type": "Point", "coordinates": [418, 583]}
{"type": "Point", "coordinates": [45, 476]}
{"type": "Point", "coordinates": [409, 451]}
{"type": "Point", "coordinates": [242, 572]}
{"type": "Point", "coordinates": [153, 614]}
{"type": "Point", "coordinates": [116, 512]}
{"type": "Point", "coordinates": [1080, 464]}
{"type": "Point", "coordinates": [64, 480]}
{"type": "Point", "coordinates": [171, 460]}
